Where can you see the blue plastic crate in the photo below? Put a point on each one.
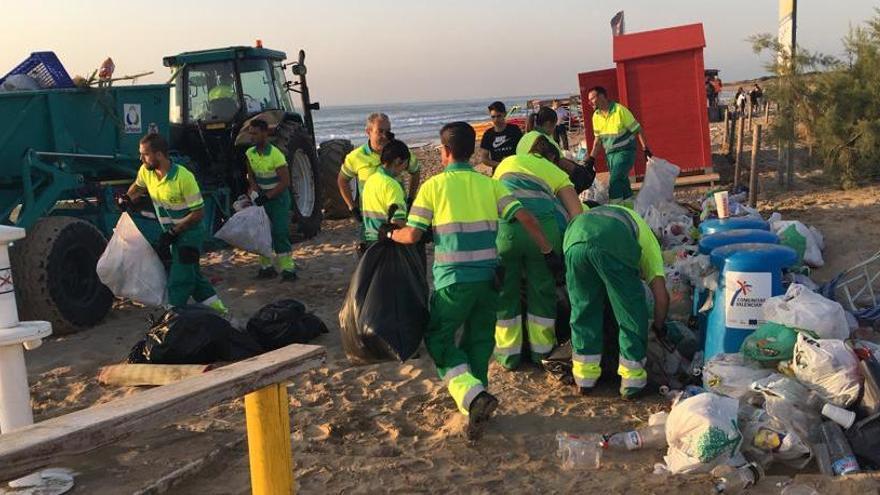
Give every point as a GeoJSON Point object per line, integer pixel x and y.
{"type": "Point", "coordinates": [45, 68]}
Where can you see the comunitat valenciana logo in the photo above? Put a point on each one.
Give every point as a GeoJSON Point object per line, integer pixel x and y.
{"type": "Point", "coordinates": [743, 289]}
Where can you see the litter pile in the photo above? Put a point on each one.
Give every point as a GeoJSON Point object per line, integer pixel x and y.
{"type": "Point", "coordinates": [762, 368]}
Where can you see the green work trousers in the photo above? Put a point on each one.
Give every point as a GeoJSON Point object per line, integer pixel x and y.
{"type": "Point", "coordinates": [521, 258]}
{"type": "Point", "coordinates": [620, 162]}
{"type": "Point", "coordinates": [278, 210]}
{"type": "Point", "coordinates": [185, 278]}
{"type": "Point", "coordinates": [459, 338]}
{"type": "Point", "coordinates": [607, 266]}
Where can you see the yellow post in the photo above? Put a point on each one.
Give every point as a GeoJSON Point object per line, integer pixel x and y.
{"type": "Point", "coordinates": [268, 429]}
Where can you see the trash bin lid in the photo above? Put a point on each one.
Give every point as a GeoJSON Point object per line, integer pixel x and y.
{"type": "Point", "coordinates": [743, 255]}
{"type": "Point", "coordinates": [715, 225]}
{"type": "Point", "coordinates": [736, 236]}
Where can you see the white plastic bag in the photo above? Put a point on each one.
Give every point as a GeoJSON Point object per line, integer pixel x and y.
{"type": "Point", "coordinates": [732, 375]}
{"type": "Point", "coordinates": [597, 192]}
{"type": "Point", "coordinates": [250, 230]}
{"type": "Point", "coordinates": [829, 367]}
{"type": "Point", "coordinates": [658, 185]}
{"type": "Point", "coordinates": [815, 241]}
{"type": "Point", "coordinates": [802, 309]}
{"type": "Point", "coordinates": [702, 433]}
{"type": "Point", "coordinates": [130, 267]}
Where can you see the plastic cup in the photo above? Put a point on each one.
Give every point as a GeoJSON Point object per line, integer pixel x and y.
{"type": "Point", "coordinates": [722, 204]}
{"type": "Point", "coordinates": [839, 415]}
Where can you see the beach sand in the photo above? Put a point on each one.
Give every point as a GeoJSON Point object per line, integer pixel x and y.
{"type": "Point", "coordinates": [392, 428]}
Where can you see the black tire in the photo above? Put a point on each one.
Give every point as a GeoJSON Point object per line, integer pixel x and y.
{"type": "Point", "coordinates": [331, 154]}
{"type": "Point", "coordinates": [292, 139]}
{"type": "Point", "coordinates": [54, 272]}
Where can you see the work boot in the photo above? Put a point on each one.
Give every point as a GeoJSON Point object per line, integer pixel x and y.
{"type": "Point", "coordinates": [267, 272]}
{"type": "Point", "coordinates": [288, 276]}
{"type": "Point", "coordinates": [482, 407]}
{"type": "Point", "coordinates": [630, 393]}
{"type": "Point", "coordinates": [585, 391]}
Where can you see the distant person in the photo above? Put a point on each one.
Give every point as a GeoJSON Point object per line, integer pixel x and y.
{"type": "Point", "coordinates": [225, 88]}
{"type": "Point", "coordinates": [740, 100]}
{"type": "Point", "coordinates": [500, 140]}
{"type": "Point", "coordinates": [269, 179]}
{"type": "Point", "coordinates": [560, 134]}
{"type": "Point", "coordinates": [616, 131]}
{"type": "Point", "coordinates": [710, 93]}
{"type": "Point", "coordinates": [717, 86]}
{"type": "Point", "coordinates": [543, 123]}
{"type": "Point", "coordinates": [365, 160]}
{"type": "Point", "coordinates": [464, 208]}
{"type": "Point", "coordinates": [755, 96]}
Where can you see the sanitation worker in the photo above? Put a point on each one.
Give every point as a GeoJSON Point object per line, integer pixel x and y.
{"type": "Point", "coordinates": [269, 180]}
{"type": "Point", "coordinates": [364, 161]}
{"type": "Point", "coordinates": [537, 182]}
{"type": "Point", "coordinates": [616, 131]}
{"type": "Point", "coordinates": [383, 197]}
{"type": "Point", "coordinates": [178, 204]}
{"type": "Point", "coordinates": [544, 125]}
{"type": "Point", "coordinates": [464, 206]}
{"type": "Point", "coordinates": [608, 251]}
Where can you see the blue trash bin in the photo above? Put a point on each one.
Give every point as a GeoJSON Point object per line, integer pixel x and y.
{"type": "Point", "coordinates": [715, 225]}
{"type": "Point", "coordinates": [750, 274]}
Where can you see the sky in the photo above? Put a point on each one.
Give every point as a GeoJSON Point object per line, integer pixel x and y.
{"type": "Point", "coordinates": [377, 51]}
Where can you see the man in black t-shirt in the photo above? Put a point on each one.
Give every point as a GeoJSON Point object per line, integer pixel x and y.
{"type": "Point", "coordinates": [500, 140]}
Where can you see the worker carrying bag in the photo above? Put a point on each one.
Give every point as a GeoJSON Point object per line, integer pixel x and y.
{"type": "Point", "coordinates": [385, 313]}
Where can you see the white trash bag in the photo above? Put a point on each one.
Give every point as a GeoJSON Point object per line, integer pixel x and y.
{"type": "Point", "coordinates": [802, 309]}
{"type": "Point", "coordinates": [597, 192]}
{"type": "Point", "coordinates": [249, 229]}
{"type": "Point", "coordinates": [732, 375]}
{"type": "Point", "coordinates": [130, 267]}
{"type": "Point", "coordinates": [702, 433]}
{"type": "Point", "coordinates": [829, 367]}
{"type": "Point", "coordinates": [815, 242]}
{"type": "Point", "coordinates": [658, 186]}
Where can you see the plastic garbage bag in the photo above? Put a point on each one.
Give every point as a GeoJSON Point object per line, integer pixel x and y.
{"type": "Point", "coordinates": [658, 185]}
{"type": "Point", "coordinates": [597, 192]}
{"type": "Point", "coordinates": [250, 230]}
{"type": "Point", "coordinates": [386, 309]}
{"type": "Point", "coordinates": [767, 439]}
{"type": "Point", "coordinates": [864, 438]}
{"type": "Point", "coordinates": [702, 433]}
{"type": "Point", "coordinates": [668, 362]}
{"type": "Point", "coordinates": [130, 267]}
{"type": "Point", "coordinates": [19, 82]}
{"type": "Point", "coordinates": [193, 334]}
{"type": "Point", "coordinates": [812, 238]}
{"type": "Point", "coordinates": [283, 323]}
{"type": "Point", "coordinates": [802, 309]}
{"type": "Point", "coordinates": [732, 375]}
{"type": "Point", "coordinates": [770, 342]}
{"type": "Point", "coordinates": [699, 271]}
{"type": "Point", "coordinates": [681, 296]}
{"type": "Point", "coordinates": [829, 367]}
{"type": "Point", "coordinates": [661, 215]}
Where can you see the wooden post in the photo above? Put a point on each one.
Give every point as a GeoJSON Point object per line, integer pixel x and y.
{"type": "Point", "coordinates": [753, 173]}
{"type": "Point", "coordinates": [724, 142]}
{"type": "Point", "coordinates": [789, 164]}
{"type": "Point", "coordinates": [767, 113]}
{"type": "Point", "coordinates": [749, 113]}
{"type": "Point", "coordinates": [740, 125]}
{"type": "Point", "coordinates": [268, 430]}
{"type": "Point", "coordinates": [780, 164]}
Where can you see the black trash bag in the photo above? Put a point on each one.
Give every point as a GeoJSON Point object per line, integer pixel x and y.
{"type": "Point", "coordinates": [864, 438]}
{"type": "Point", "coordinates": [385, 313]}
{"type": "Point", "coordinates": [192, 334]}
{"type": "Point", "coordinates": [283, 323]}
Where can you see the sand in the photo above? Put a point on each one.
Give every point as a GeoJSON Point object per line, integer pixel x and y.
{"type": "Point", "coordinates": [392, 428]}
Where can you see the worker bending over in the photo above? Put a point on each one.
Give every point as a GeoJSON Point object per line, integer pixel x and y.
{"type": "Point", "coordinates": [178, 204]}
{"type": "Point", "coordinates": [615, 130]}
{"type": "Point", "coordinates": [536, 181]}
{"type": "Point", "coordinates": [364, 161]}
{"type": "Point", "coordinates": [383, 198]}
{"type": "Point", "coordinates": [269, 180]}
{"type": "Point", "coordinates": [606, 250]}
{"type": "Point", "coordinates": [544, 123]}
{"type": "Point", "coordinates": [464, 206]}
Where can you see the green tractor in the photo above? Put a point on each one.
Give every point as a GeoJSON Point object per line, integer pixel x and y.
{"type": "Point", "coordinates": [65, 152]}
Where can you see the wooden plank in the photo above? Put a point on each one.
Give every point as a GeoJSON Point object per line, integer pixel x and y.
{"type": "Point", "coordinates": [688, 180]}
{"type": "Point", "coordinates": [28, 449]}
{"type": "Point", "coordinates": [135, 375]}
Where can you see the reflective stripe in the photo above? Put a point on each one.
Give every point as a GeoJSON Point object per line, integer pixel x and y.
{"type": "Point", "coordinates": [541, 348]}
{"type": "Point", "coordinates": [617, 214]}
{"type": "Point", "coordinates": [586, 374]}
{"type": "Point", "coordinates": [586, 358]}
{"type": "Point", "coordinates": [456, 371]}
{"type": "Point", "coordinates": [195, 198]}
{"type": "Point", "coordinates": [540, 320]}
{"type": "Point", "coordinates": [586, 382]}
{"type": "Point", "coordinates": [634, 382]}
{"type": "Point", "coordinates": [632, 365]}
{"type": "Point", "coordinates": [464, 256]}
{"type": "Point", "coordinates": [503, 203]}
{"type": "Point", "coordinates": [509, 351]}
{"type": "Point", "coordinates": [422, 212]}
{"type": "Point", "coordinates": [529, 178]}
{"type": "Point", "coordinates": [208, 301]}
{"type": "Point", "coordinates": [171, 206]}
{"type": "Point", "coordinates": [507, 323]}
{"type": "Point", "coordinates": [466, 227]}
{"type": "Point", "coordinates": [529, 194]}
{"type": "Point", "coordinates": [621, 144]}
{"type": "Point", "coordinates": [374, 214]}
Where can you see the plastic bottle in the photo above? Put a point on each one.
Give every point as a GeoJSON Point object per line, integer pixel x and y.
{"type": "Point", "coordinates": [648, 437]}
{"type": "Point", "coordinates": [740, 480]}
{"type": "Point", "coordinates": [843, 461]}
{"type": "Point", "coordinates": [579, 451]}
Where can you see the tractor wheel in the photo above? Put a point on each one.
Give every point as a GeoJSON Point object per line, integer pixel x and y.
{"type": "Point", "coordinates": [297, 146]}
{"type": "Point", "coordinates": [332, 153]}
{"type": "Point", "coordinates": [55, 278]}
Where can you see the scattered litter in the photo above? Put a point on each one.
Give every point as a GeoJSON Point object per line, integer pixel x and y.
{"type": "Point", "coordinates": [732, 375]}
{"type": "Point", "coordinates": [828, 367]}
{"type": "Point", "coordinates": [579, 451]}
{"type": "Point", "coordinates": [702, 433]}
{"type": "Point", "coordinates": [802, 309]}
